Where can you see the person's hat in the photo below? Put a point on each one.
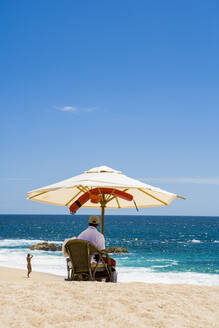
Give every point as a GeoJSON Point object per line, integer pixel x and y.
{"type": "Point", "coordinates": [94, 219]}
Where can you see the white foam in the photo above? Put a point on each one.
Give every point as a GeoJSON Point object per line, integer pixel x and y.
{"type": "Point", "coordinates": [161, 266]}
{"type": "Point", "coordinates": [24, 242]}
{"type": "Point", "coordinates": [42, 261]}
{"type": "Point", "coordinates": [49, 262]}
{"type": "Point", "coordinates": [55, 263]}
{"type": "Point", "coordinates": [148, 276]}
{"type": "Point", "coordinates": [163, 260]}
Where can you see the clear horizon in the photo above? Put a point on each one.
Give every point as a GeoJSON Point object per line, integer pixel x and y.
{"type": "Point", "coordinates": [66, 214]}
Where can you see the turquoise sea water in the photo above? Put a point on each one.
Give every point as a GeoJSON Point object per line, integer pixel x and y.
{"type": "Point", "coordinates": [168, 249]}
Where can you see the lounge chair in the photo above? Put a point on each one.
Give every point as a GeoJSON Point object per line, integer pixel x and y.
{"type": "Point", "coordinates": [81, 253]}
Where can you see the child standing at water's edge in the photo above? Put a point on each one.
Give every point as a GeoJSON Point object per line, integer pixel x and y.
{"type": "Point", "coordinates": [29, 267]}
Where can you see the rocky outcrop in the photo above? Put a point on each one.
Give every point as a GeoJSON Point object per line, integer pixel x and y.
{"type": "Point", "coordinates": [116, 250]}
{"type": "Point", "coordinates": [54, 248]}
{"type": "Point", "coordinates": [46, 247]}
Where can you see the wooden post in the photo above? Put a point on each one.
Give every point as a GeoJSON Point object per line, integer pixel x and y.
{"type": "Point", "coordinates": [102, 217]}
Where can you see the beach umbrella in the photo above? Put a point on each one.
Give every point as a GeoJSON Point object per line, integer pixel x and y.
{"type": "Point", "coordinates": [102, 187]}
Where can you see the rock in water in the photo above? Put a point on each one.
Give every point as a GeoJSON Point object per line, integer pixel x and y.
{"type": "Point", "coordinates": [53, 247]}
{"type": "Point", "coordinates": [116, 250]}
{"type": "Point", "coordinates": [46, 247]}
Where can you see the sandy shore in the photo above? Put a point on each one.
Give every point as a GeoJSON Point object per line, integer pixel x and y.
{"type": "Point", "coordinates": [48, 301]}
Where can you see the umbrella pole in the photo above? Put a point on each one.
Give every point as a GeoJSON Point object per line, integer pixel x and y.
{"type": "Point", "coordinates": [102, 216]}
{"type": "Point", "coordinates": [102, 219]}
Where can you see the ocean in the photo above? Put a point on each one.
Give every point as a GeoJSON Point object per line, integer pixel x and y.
{"type": "Point", "coordinates": [162, 249]}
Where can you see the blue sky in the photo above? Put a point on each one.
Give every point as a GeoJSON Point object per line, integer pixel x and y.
{"type": "Point", "coordinates": [128, 84]}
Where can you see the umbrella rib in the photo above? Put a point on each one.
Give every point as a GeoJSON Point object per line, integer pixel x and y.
{"type": "Point", "coordinates": [181, 197]}
{"type": "Point", "coordinates": [118, 202]}
{"type": "Point", "coordinates": [109, 199]}
{"type": "Point", "coordinates": [159, 200]}
{"type": "Point", "coordinates": [41, 193]}
{"type": "Point", "coordinates": [111, 194]}
{"type": "Point", "coordinates": [100, 194]}
{"type": "Point", "coordinates": [81, 189]}
{"type": "Point", "coordinates": [72, 198]}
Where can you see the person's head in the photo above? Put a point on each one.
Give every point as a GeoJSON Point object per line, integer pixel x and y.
{"type": "Point", "coordinates": [93, 221]}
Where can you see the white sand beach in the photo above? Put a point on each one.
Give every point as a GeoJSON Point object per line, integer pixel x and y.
{"type": "Point", "coordinates": [49, 301]}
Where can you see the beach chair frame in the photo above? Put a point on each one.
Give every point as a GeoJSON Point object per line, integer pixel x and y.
{"type": "Point", "coordinates": [80, 253]}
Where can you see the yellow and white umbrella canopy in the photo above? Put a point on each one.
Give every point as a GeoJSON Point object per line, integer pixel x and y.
{"type": "Point", "coordinates": [66, 192]}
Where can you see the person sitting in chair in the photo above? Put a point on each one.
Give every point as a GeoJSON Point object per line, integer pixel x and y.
{"type": "Point", "coordinates": [95, 237]}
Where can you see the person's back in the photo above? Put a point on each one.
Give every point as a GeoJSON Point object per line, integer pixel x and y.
{"type": "Point", "coordinates": [92, 235]}
{"type": "Point", "coordinates": [95, 237]}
